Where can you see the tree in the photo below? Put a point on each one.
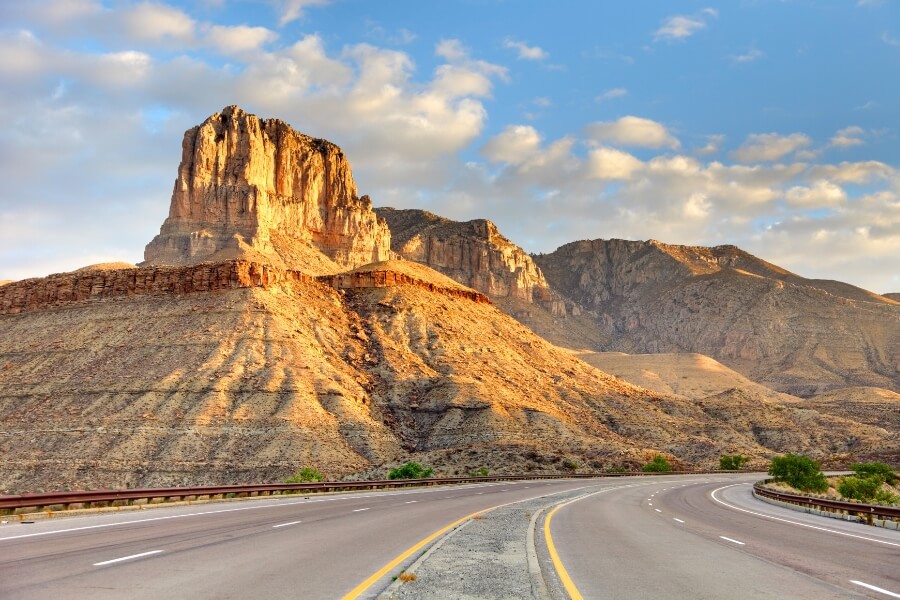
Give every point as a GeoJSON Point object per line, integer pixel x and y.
{"type": "Point", "coordinates": [798, 471]}
{"type": "Point", "coordinates": [864, 489]}
{"type": "Point", "coordinates": [659, 464]}
{"type": "Point", "coordinates": [732, 462]}
{"type": "Point", "coordinates": [305, 475]}
{"type": "Point", "coordinates": [411, 470]}
{"type": "Point", "coordinates": [871, 469]}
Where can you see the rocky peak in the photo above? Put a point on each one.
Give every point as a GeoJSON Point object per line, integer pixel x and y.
{"type": "Point", "coordinates": [473, 253]}
{"type": "Point", "coordinates": [255, 188]}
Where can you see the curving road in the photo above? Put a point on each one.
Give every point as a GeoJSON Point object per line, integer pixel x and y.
{"type": "Point", "coordinates": [278, 548]}
{"type": "Point", "coordinates": [674, 539]}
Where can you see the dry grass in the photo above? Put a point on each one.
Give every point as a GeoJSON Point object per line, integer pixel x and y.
{"type": "Point", "coordinates": [405, 577]}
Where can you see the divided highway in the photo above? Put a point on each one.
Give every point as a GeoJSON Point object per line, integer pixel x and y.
{"type": "Point", "coordinates": [665, 537]}
{"type": "Point", "coordinates": [675, 539]}
{"type": "Point", "coordinates": [273, 548]}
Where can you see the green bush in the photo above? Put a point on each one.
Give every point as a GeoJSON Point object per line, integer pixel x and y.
{"type": "Point", "coordinates": [659, 464]}
{"type": "Point", "coordinates": [871, 469]}
{"type": "Point", "coordinates": [732, 462]}
{"type": "Point", "coordinates": [411, 470]}
{"type": "Point", "coordinates": [482, 472]}
{"type": "Point", "coordinates": [798, 471]}
{"type": "Point", "coordinates": [569, 464]}
{"type": "Point", "coordinates": [304, 475]}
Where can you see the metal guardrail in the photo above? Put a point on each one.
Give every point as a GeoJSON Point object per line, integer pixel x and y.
{"type": "Point", "coordinates": [867, 511]}
{"type": "Point", "coordinates": [88, 497]}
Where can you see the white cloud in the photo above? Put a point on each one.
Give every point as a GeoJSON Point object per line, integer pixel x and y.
{"type": "Point", "coordinates": [157, 22]}
{"type": "Point", "coordinates": [747, 57]}
{"type": "Point", "coordinates": [515, 145]}
{"type": "Point", "coordinates": [609, 163]}
{"type": "Point", "coordinates": [633, 131]}
{"type": "Point", "coordinates": [525, 51]}
{"type": "Point", "coordinates": [543, 101]}
{"type": "Point", "coordinates": [822, 194]}
{"type": "Point", "coordinates": [611, 94]}
{"type": "Point", "coordinates": [713, 142]}
{"type": "Point", "coordinates": [848, 137]}
{"type": "Point", "coordinates": [451, 50]}
{"type": "Point", "coordinates": [238, 38]}
{"type": "Point", "coordinates": [679, 27]}
{"type": "Point", "coordinates": [291, 10]}
{"type": "Point", "coordinates": [766, 147]}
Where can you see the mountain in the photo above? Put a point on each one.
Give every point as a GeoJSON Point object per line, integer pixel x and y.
{"type": "Point", "coordinates": [256, 189]}
{"type": "Point", "coordinates": [795, 335]}
{"type": "Point", "coordinates": [271, 329]}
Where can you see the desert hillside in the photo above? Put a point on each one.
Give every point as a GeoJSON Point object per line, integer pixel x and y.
{"type": "Point", "coordinates": [252, 378]}
{"type": "Point", "coordinates": [791, 334]}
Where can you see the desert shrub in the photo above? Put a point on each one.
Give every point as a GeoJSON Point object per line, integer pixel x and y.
{"type": "Point", "coordinates": [569, 464]}
{"type": "Point", "coordinates": [659, 464]}
{"type": "Point", "coordinates": [732, 462]}
{"type": "Point", "coordinates": [798, 471]}
{"type": "Point", "coordinates": [860, 488]}
{"type": "Point", "coordinates": [304, 475]}
{"type": "Point", "coordinates": [411, 470]}
{"type": "Point", "coordinates": [482, 472]}
{"type": "Point", "coordinates": [872, 469]}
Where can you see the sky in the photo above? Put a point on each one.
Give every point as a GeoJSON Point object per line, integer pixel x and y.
{"type": "Point", "coordinates": [770, 125]}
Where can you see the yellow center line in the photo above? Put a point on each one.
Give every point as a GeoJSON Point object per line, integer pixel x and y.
{"type": "Point", "coordinates": [362, 587]}
{"type": "Point", "coordinates": [567, 582]}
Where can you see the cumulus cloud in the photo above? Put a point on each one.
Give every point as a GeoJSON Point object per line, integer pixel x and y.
{"type": "Point", "coordinates": [609, 163]}
{"type": "Point", "coordinates": [238, 38]}
{"type": "Point", "coordinates": [291, 10]}
{"type": "Point", "coordinates": [514, 145]}
{"type": "Point", "coordinates": [848, 137]}
{"type": "Point", "coordinates": [713, 142]}
{"type": "Point", "coordinates": [821, 194]}
{"type": "Point", "coordinates": [525, 52]}
{"type": "Point", "coordinates": [633, 131]}
{"type": "Point", "coordinates": [766, 147]}
{"type": "Point", "coordinates": [157, 22]}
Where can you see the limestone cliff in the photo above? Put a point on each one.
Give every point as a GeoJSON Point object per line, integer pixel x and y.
{"type": "Point", "coordinates": [797, 335]}
{"type": "Point", "coordinates": [473, 253]}
{"type": "Point", "coordinates": [255, 188]}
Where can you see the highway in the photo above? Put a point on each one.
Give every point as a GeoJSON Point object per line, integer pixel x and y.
{"type": "Point", "coordinates": [317, 548]}
{"type": "Point", "coordinates": [714, 540]}
{"type": "Point", "coordinates": [614, 544]}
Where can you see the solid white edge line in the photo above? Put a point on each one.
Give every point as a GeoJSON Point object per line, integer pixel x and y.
{"type": "Point", "coordinates": [731, 540]}
{"type": "Point", "coordinates": [115, 560]}
{"type": "Point", "coordinates": [286, 524]}
{"type": "Point", "coordinates": [783, 520]}
{"type": "Point", "coordinates": [875, 589]}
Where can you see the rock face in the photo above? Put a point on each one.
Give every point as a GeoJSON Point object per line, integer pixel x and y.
{"type": "Point", "coordinates": [248, 374]}
{"type": "Point", "coordinates": [255, 188]}
{"type": "Point", "coordinates": [795, 335]}
{"type": "Point", "coordinates": [473, 253]}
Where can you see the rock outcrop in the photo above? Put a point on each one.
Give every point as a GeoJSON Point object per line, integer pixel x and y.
{"type": "Point", "coordinates": [796, 335]}
{"type": "Point", "coordinates": [96, 285]}
{"type": "Point", "coordinates": [473, 253]}
{"type": "Point", "coordinates": [256, 189]}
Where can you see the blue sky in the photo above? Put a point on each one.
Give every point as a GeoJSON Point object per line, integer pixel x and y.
{"type": "Point", "coordinates": [774, 126]}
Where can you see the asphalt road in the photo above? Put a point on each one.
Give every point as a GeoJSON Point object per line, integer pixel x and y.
{"type": "Point", "coordinates": [674, 539]}
{"type": "Point", "coordinates": [317, 548]}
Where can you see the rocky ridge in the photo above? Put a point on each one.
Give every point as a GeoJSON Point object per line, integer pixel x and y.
{"type": "Point", "coordinates": [256, 189]}
{"type": "Point", "coordinates": [473, 253]}
{"type": "Point", "coordinates": [792, 334]}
